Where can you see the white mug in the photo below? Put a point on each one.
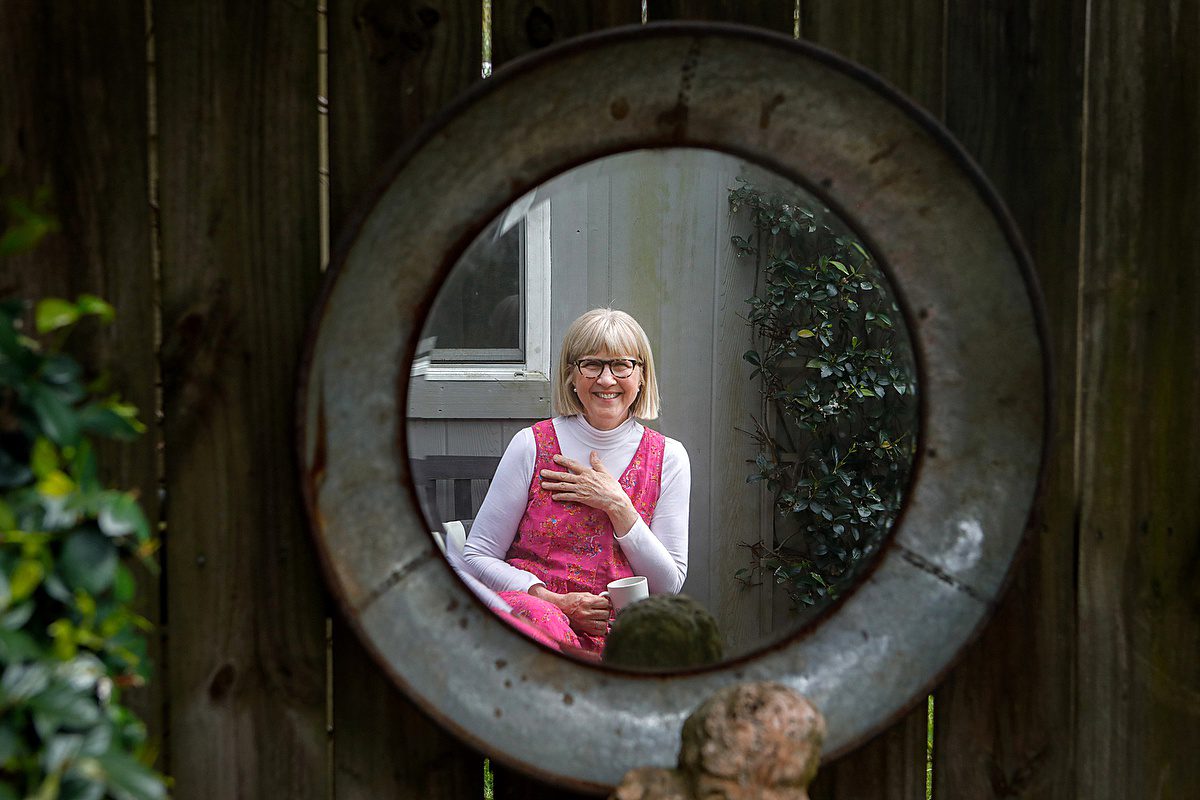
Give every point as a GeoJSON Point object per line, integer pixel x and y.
{"type": "Point", "coordinates": [626, 591]}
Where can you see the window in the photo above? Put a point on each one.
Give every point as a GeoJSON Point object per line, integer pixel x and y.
{"type": "Point", "coordinates": [491, 322]}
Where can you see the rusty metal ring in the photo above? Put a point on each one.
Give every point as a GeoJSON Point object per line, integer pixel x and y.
{"type": "Point", "coordinates": [893, 173]}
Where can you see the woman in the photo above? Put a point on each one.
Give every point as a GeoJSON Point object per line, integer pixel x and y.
{"type": "Point", "coordinates": [589, 496]}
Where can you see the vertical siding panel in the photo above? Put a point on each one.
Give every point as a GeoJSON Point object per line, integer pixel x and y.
{"type": "Point", "coordinates": [740, 516]}
{"type": "Point", "coordinates": [239, 227]}
{"type": "Point", "coordinates": [1014, 95]}
{"type": "Point", "coordinates": [392, 65]}
{"type": "Point", "coordinates": [1138, 711]}
{"type": "Point", "coordinates": [73, 121]}
{"type": "Point", "coordinates": [662, 245]}
{"type": "Point", "coordinates": [599, 255]}
{"type": "Point", "coordinates": [518, 27]}
{"type": "Point", "coordinates": [569, 245]}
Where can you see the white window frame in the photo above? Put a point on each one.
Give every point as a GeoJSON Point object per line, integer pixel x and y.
{"type": "Point", "coordinates": [453, 391]}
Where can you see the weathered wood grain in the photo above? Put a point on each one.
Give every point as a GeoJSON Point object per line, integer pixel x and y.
{"type": "Point", "coordinates": [904, 44]}
{"type": "Point", "coordinates": [889, 767]}
{"type": "Point", "coordinates": [776, 15]}
{"type": "Point", "coordinates": [1138, 711]}
{"type": "Point", "coordinates": [517, 28]}
{"type": "Point", "coordinates": [522, 26]}
{"type": "Point", "coordinates": [392, 65]}
{"type": "Point", "coordinates": [236, 98]}
{"type": "Point", "coordinates": [902, 41]}
{"type": "Point", "coordinates": [73, 122]}
{"type": "Point", "coordinates": [1014, 95]}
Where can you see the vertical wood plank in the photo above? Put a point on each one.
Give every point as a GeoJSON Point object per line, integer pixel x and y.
{"type": "Point", "coordinates": [73, 121]}
{"type": "Point", "coordinates": [1014, 94]}
{"type": "Point", "coordinates": [519, 26]}
{"type": "Point", "coordinates": [776, 15]}
{"type": "Point", "coordinates": [237, 87]}
{"type": "Point", "coordinates": [1138, 712]}
{"type": "Point", "coordinates": [522, 26]}
{"type": "Point", "coordinates": [392, 65]}
{"type": "Point", "coordinates": [903, 42]}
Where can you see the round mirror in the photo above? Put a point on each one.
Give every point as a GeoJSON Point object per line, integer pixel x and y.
{"type": "Point", "coordinates": [783, 377]}
{"type": "Point", "coordinates": [440, 332]}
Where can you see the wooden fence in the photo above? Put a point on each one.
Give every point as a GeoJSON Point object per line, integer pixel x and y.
{"type": "Point", "coordinates": [1084, 114]}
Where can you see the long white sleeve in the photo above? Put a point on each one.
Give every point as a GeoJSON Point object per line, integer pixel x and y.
{"type": "Point", "coordinates": [658, 551]}
{"type": "Point", "coordinates": [495, 525]}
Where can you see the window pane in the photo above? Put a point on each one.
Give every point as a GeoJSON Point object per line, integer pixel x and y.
{"type": "Point", "coordinates": [477, 314]}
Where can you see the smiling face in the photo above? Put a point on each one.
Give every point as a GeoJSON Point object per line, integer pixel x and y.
{"type": "Point", "coordinates": [606, 399]}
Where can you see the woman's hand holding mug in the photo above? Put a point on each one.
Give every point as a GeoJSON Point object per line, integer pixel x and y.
{"type": "Point", "coordinates": [588, 613]}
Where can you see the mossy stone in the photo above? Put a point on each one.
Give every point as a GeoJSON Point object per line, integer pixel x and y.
{"type": "Point", "coordinates": [663, 632]}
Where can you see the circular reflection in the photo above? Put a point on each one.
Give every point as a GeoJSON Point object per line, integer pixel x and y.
{"type": "Point", "coordinates": [783, 440]}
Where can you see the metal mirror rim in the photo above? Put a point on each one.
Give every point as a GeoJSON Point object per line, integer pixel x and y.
{"type": "Point", "coordinates": [879, 160]}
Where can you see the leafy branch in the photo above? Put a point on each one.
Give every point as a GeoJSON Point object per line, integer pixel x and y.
{"type": "Point", "coordinates": [836, 433]}
{"type": "Point", "coordinates": [70, 643]}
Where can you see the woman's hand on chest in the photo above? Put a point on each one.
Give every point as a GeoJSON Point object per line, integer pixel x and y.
{"type": "Point", "coordinates": [591, 485]}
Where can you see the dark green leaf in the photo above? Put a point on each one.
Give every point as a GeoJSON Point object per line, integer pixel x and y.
{"type": "Point", "coordinates": [104, 421]}
{"type": "Point", "coordinates": [62, 707]}
{"type": "Point", "coordinates": [17, 646]}
{"type": "Point", "coordinates": [20, 682]}
{"type": "Point", "coordinates": [57, 419]}
{"type": "Point", "coordinates": [60, 750]}
{"type": "Point", "coordinates": [130, 780]}
{"type": "Point", "coordinates": [120, 515]}
{"type": "Point", "coordinates": [88, 561]}
{"type": "Point", "coordinates": [80, 787]}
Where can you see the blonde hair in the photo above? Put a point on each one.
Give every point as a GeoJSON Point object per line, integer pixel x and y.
{"type": "Point", "coordinates": [605, 331]}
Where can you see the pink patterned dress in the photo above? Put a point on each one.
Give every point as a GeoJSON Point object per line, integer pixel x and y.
{"type": "Point", "coordinates": [571, 547]}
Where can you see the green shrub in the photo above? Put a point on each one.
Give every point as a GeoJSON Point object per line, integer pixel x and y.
{"type": "Point", "coordinates": [837, 429]}
{"type": "Point", "coordinates": [70, 643]}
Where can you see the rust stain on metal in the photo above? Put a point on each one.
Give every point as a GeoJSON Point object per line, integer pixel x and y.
{"type": "Point", "coordinates": [768, 108]}
{"type": "Point", "coordinates": [677, 117]}
{"type": "Point", "coordinates": [394, 577]}
{"type": "Point", "coordinates": [884, 153]}
{"type": "Point", "coordinates": [925, 565]}
{"type": "Point", "coordinates": [320, 457]}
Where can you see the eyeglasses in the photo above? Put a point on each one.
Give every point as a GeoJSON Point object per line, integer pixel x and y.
{"type": "Point", "coordinates": [594, 367]}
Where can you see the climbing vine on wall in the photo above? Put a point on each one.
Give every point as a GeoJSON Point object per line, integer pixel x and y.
{"type": "Point", "coordinates": [838, 422]}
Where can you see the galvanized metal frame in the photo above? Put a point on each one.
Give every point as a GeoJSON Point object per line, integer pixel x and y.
{"type": "Point", "coordinates": [893, 173]}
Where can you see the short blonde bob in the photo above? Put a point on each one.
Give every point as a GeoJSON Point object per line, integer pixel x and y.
{"type": "Point", "coordinates": [605, 332]}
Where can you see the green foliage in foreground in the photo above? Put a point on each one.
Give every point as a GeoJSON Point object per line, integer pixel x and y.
{"type": "Point", "coordinates": [836, 437]}
{"type": "Point", "coordinates": [70, 643]}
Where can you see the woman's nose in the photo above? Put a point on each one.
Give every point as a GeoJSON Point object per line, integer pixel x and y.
{"type": "Point", "coordinates": [606, 377]}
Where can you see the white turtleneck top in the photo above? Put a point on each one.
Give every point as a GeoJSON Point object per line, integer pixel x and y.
{"type": "Point", "coordinates": [659, 550]}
